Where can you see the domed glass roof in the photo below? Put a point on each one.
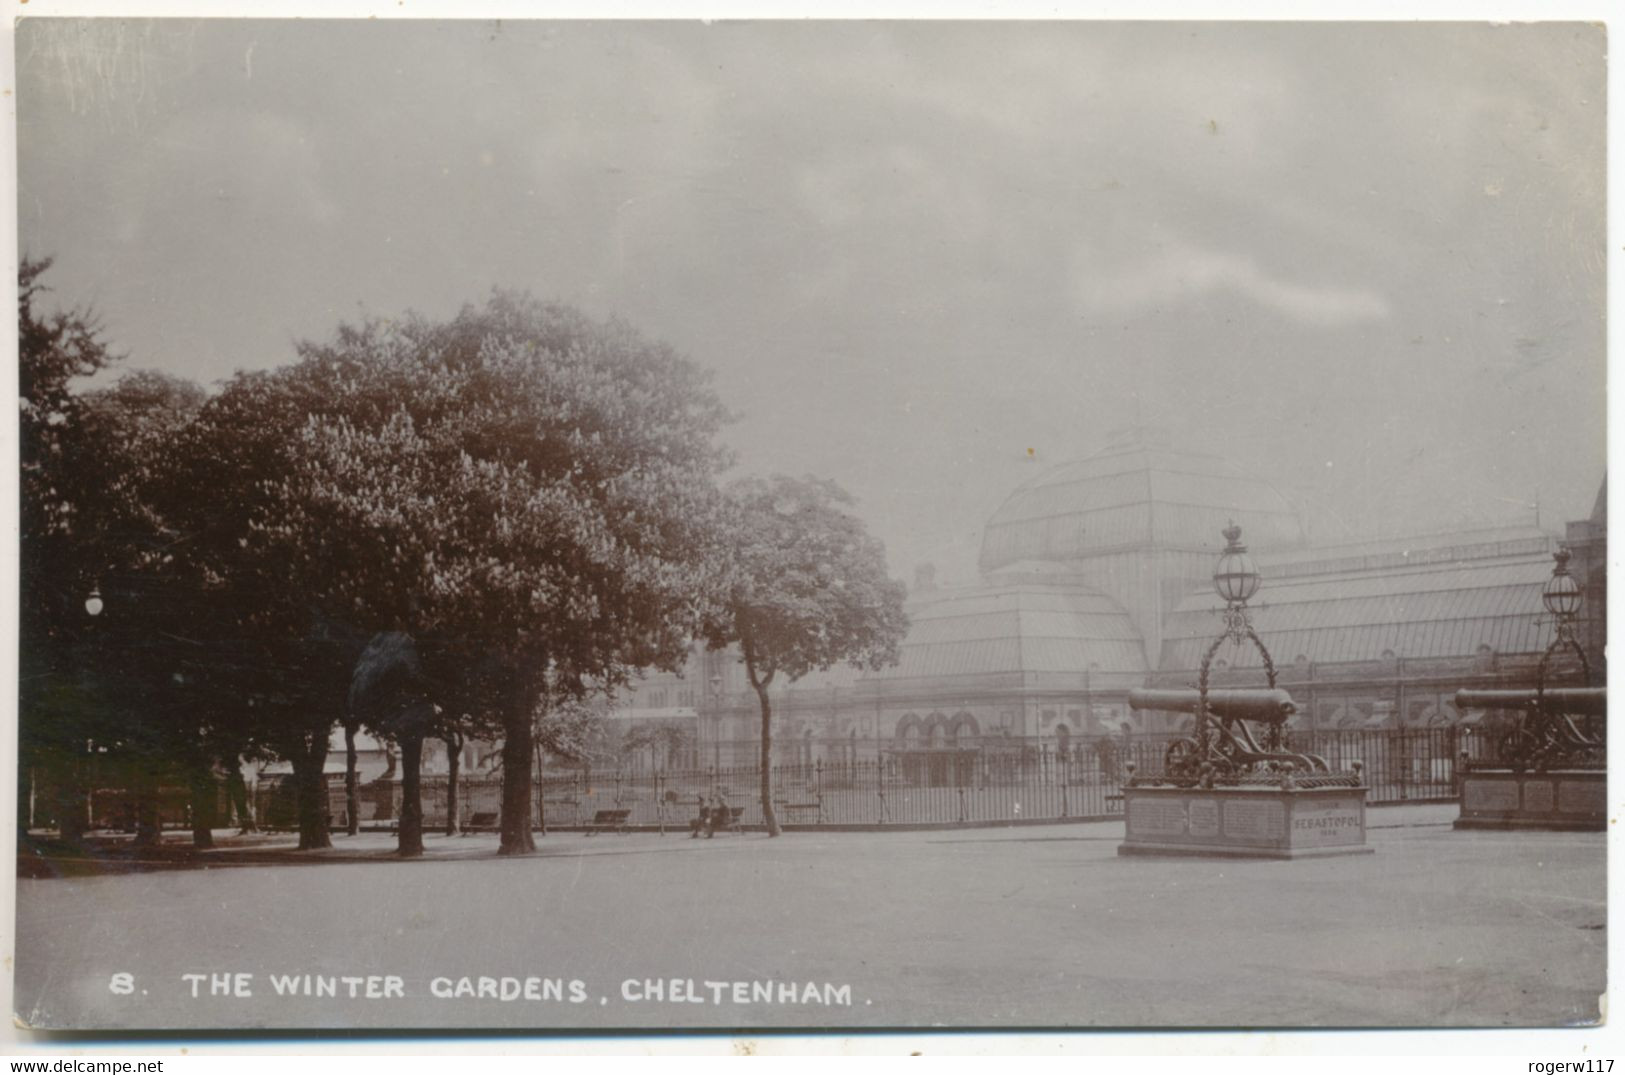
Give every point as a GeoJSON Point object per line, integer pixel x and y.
{"type": "Point", "coordinates": [1137, 493]}
{"type": "Point", "coordinates": [1023, 628]}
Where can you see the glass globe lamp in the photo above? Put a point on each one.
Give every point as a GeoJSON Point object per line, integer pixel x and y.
{"type": "Point", "coordinates": [1235, 579]}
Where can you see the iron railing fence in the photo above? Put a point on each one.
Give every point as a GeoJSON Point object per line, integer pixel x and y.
{"type": "Point", "coordinates": [1005, 780]}
{"type": "Point", "coordinates": [849, 782]}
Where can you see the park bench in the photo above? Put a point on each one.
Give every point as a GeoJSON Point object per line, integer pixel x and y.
{"type": "Point", "coordinates": [483, 821]}
{"type": "Point", "coordinates": [799, 811]}
{"type": "Point", "coordinates": [609, 820]}
{"type": "Point", "coordinates": [730, 825]}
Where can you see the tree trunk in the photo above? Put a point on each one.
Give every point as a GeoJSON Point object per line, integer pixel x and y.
{"type": "Point", "coordinates": [148, 823]}
{"type": "Point", "coordinates": [72, 811]}
{"type": "Point", "coordinates": [768, 817]}
{"type": "Point", "coordinates": [541, 800]}
{"type": "Point", "coordinates": [237, 795]}
{"type": "Point", "coordinates": [760, 685]}
{"type": "Point", "coordinates": [310, 786]}
{"type": "Point", "coordinates": [516, 744]}
{"type": "Point", "coordinates": [352, 793]}
{"type": "Point", "coordinates": [454, 750]}
{"type": "Point", "coordinates": [410, 844]}
{"type": "Point", "coordinates": [204, 794]}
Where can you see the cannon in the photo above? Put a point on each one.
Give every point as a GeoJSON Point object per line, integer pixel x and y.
{"type": "Point", "coordinates": [1547, 735]}
{"type": "Point", "coordinates": [1234, 750]}
{"type": "Point", "coordinates": [1265, 706]}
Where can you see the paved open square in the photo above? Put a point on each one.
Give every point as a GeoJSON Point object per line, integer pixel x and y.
{"type": "Point", "coordinates": [1037, 926]}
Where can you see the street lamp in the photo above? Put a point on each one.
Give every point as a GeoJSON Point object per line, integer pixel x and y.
{"type": "Point", "coordinates": [1547, 736]}
{"type": "Point", "coordinates": [93, 603]}
{"type": "Point", "coordinates": [1562, 597]}
{"type": "Point", "coordinates": [1235, 580]}
{"type": "Point", "coordinates": [716, 705]}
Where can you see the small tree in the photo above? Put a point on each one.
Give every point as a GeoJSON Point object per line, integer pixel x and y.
{"type": "Point", "coordinates": [807, 589]}
{"type": "Point", "coordinates": [660, 738]}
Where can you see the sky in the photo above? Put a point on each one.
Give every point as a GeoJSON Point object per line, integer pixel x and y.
{"type": "Point", "coordinates": [925, 259]}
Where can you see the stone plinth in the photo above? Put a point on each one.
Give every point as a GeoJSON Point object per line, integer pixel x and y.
{"type": "Point", "coordinates": [1573, 800]}
{"type": "Point", "coordinates": [1245, 822]}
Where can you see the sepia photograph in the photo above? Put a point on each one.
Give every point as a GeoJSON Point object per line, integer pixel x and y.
{"type": "Point", "coordinates": [560, 525]}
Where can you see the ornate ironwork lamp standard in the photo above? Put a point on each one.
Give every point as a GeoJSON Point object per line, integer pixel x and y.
{"type": "Point", "coordinates": [1549, 770]}
{"type": "Point", "coordinates": [1226, 790]}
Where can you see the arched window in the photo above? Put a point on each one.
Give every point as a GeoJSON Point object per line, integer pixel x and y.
{"type": "Point", "coordinates": [908, 732]}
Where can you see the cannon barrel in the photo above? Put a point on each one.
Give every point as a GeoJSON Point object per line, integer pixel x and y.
{"type": "Point", "coordinates": [1269, 706]}
{"type": "Point", "coordinates": [1583, 701]}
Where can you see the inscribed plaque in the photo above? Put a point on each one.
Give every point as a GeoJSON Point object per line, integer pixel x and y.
{"type": "Point", "coordinates": [1328, 823]}
{"type": "Point", "coordinates": [1156, 817]}
{"type": "Point", "coordinates": [1204, 817]}
{"type": "Point", "coordinates": [1250, 820]}
{"type": "Point", "coordinates": [1489, 796]}
{"type": "Point", "coordinates": [1537, 797]}
{"type": "Point", "coordinates": [1582, 797]}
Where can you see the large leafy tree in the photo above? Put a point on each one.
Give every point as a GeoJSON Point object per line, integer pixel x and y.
{"type": "Point", "coordinates": [108, 689]}
{"type": "Point", "coordinates": [806, 589]}
{"type": "Point", "coordinates": [278, 653]}
{"type": "Point", "coordinates": [143, 653]}
{"type": "Point", "coordinates": [521, 484]}
{"type": "Point", "coordinates": [58, 564]}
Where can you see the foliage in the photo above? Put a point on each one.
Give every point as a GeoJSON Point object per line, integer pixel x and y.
{"type": "Point", "coordinates": [570, 728]}
{"type": "Point", "coordinates": [513, 504]}
{"type": "Point", "coordinates": [664, 739]}
{"type": "Point", "coordinates": [92, 460]}
{"type": "Point", "coordinates": [58, 565]}
{"type": "Point", "coordinates": [389, 692]}
{"type": "Point", "coordinates": [523, 491]}
{"type": "Point", "coordinates": [520, 481]}
{"type": "Point", "coordinates": [807, 587]}
{"type": "Point", "coordinates": [281, 655]}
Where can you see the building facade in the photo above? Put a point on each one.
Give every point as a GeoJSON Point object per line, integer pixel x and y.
{"type": "Point", "coordinates": [1096, 578]}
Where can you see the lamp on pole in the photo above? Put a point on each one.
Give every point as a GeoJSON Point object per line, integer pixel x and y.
{"type": "Point", "coordinates": [1547, 735]}
{"type": "Point", "coordinates": [93, 602]}
{"type": "Point", "coordinates": [1562, 597]}
{"type": "Point", "coordinates": [715, 684]}
{"type": "Point", "coordinates": [1235, 580]}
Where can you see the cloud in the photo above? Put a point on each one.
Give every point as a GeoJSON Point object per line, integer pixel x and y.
{"type": "Point", "coordinates": [1185, 273]}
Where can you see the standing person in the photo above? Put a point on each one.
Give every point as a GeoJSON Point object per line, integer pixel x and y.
{"type": "Point", "coordinates": [1106, 752]}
